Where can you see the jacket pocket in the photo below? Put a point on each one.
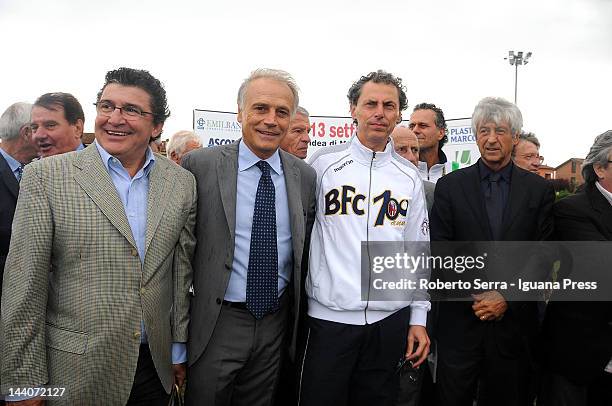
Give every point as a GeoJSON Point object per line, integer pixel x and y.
{"type": "Point", "coordinates": [66, 340]}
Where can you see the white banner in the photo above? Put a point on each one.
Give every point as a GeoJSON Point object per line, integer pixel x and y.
{"type": "Point", "coordinates": [218, 128]}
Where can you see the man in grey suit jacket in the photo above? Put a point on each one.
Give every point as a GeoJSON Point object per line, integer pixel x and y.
{"type": "Point", "coordinates": [95, 297]}
{"type": "Point", "coordinates": [241, 320]}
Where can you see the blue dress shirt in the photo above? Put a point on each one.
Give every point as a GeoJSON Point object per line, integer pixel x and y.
{"type": "Point", "coordinates": [247, 181]}
{"type": "Point", "coordinates": [134, 193]}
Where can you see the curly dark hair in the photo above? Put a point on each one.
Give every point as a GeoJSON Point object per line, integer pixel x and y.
{"type": "Point", "coordinates": [380, 76]}
{"type": "Point", "coordinates": [145, 81]}
{"type": "Point", "coordinates": [440, 120]}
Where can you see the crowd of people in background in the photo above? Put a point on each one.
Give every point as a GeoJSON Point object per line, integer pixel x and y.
{"type": "Point", "coordinates": [232, 275]}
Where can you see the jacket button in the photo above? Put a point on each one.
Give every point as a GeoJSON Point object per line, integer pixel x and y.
{"type": "Point", "coordinates": [137, 334]}
{"type": "Point", "coordinates": [228, 266]}
{"type": "Point", "coordinates": [218, 301]}
{"type": "Point", "coordinates": [134, 252]}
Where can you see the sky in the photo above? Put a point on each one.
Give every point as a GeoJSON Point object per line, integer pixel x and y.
{"type": "Point", "coordinates": [447, 52]}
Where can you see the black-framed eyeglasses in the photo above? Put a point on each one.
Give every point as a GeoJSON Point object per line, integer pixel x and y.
{"type": "Point", "coordinates": [106, 108]}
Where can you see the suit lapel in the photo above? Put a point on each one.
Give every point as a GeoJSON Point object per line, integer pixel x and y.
{"type": "Point", "coordinates": [96, 182]}
{"type": "Point", "coordinates": [158, 196]}
{"type": "Point", "coordinates": [294, 199]}
{"type": "Point", "coordinates": [602, 207]}
{"type": "Point", "coordinates": [6, 174]}
{"type": "Point", "coordinates": [227, 173]}
{"type": "Point", "coordinates": [518, 194]}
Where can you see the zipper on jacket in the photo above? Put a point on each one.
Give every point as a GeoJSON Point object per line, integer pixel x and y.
{"type": "Point", "coordinates": [365, 310]}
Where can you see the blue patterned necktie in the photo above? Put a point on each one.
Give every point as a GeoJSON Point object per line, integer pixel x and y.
{"type": "Point", "coordinates": [262, 275]}
{"type": "Point", "coordinates": [19, 172]}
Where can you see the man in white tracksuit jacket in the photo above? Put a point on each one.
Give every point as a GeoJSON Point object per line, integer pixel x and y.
{"type": "Point", "coordinates": [365, 192]}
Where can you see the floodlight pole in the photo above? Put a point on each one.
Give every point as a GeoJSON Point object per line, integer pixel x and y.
{"type": "Point", "coordinates": [517, 59]}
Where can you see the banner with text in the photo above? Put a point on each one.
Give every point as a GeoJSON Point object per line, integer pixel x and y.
{"type": "Point", "coordinates": [219, 128]}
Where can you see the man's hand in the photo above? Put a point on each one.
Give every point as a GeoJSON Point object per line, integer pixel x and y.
{"type": "Point", "coordinates": [489, 305]}
{"type": "Point", "coordinates": [418, 335]}
{"type": "Point", "coordinates": [180, 371]}
{"type": "Point", "coordinates": [28, 402]}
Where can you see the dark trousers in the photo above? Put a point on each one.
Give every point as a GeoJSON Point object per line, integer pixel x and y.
{"type": "Point", "coordinates": [240, 365]}
{"type": "Point", "coordinates": [560, 391]}
{"type": "Point", "coordinates": [147, 389]}
{"type": "Point", "coordinates": [480, 372]}
{"type": "Point", "coordinates": [346, 364]}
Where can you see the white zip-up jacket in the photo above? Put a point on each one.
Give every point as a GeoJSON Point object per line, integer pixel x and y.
{"type": "Point", "coordinates": [361, 196]}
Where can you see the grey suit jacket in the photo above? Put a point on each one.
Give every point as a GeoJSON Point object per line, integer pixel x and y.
{"type": "Point", "coordinates": [75, 291]}
{"type": "Point", "coordinates": [215, 170]}
{"type": "Point", "coordinates": [430, 188]}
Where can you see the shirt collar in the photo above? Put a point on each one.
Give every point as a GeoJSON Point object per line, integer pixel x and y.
{"type": "Point", "coordinates": [12, 162]}
{"type": "Point", "coordinates": [604, 192]}
{"type": "Point", "coordinates": [505, 172]}
{"type": "Point", "coordinates": [246, 159]}
{"type": "Point", "coordinates": [106, 159]}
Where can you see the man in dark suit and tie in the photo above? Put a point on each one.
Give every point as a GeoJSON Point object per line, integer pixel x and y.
{"type": "Point", "coordinates": [256, 212]}
{"type": "Point", "coordinates": [577, 340]}
{"type": "Point", "coordinates": [16, 150]}
{"type": "Point", "coordinates": [486, 342]}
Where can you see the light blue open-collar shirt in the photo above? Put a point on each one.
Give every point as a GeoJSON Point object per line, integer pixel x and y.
{"type": "Point", "coordinates": [134, 194]}
{"type": "Point", "coordinates": [247, 181]}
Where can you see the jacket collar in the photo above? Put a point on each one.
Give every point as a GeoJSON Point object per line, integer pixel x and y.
{"type": "Point", "coordinates": [366, 156]}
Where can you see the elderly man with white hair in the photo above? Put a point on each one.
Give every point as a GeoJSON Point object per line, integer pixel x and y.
{"type": "Point", "coordinates": [16, 150]}
{"type": "Point", "coordinates": [181, 143]}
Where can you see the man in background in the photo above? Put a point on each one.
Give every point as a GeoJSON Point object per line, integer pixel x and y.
{"type": "Point", "coordinates": [181, 143]}
{"type": "Point", "coordinates": [16, 150]}
{"type": "Point", "coordinates": [406, 145]}
{"type": "Point", "coordinates": [582, 376]}
{"type": "Point", "coordinates": [428, 124]}
{"type": "Point", "coordinates": [57, 123]}
{"type": "Point", "coordinates": [526, 154]}
{"type": "Point", "coordinates": [297, 139]}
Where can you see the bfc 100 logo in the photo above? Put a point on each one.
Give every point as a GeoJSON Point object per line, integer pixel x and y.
{"type": "Point", "coordinates": [343, 200]}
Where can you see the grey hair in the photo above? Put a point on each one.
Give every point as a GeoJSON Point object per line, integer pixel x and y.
{"type": "Point", "coordinates": [497, 110]}
{"type": "Point", "coordinates": [529, 137]}
{"type": "Point", "coordinates": [599, 154]}
{"type": "Point", "coordinates": [179, 140]}
{"type": "Point", "coordinates": [301, 110]}
{"type": "Point", "coordinates": [13, 119]}
{"type": "Point", "coordinates": [274, 74]}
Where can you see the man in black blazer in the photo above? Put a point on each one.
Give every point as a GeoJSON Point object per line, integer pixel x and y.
{"type": "Point", "coordinates": [577, 339]}
{"type": "Point", "coordinates": [486, 342]}
{"type": "Point", "coordinates": [16, 150]}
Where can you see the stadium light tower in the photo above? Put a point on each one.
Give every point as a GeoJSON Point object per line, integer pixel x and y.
{"type": "Point", "coordinates": [517, 59]}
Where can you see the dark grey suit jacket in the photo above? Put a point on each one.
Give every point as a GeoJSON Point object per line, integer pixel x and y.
{"type": "Point", "coordinates": [216, 171]}
{"type": "Point", "coordinates": [9, 189]}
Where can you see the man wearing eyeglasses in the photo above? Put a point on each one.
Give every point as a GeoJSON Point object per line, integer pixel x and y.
{"type": "Point", "coordinates": [96, 292]}
{"type": "Point", "coordinates": [57, 123]}
{"type": "Point", "coordinates": [526, 154]}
